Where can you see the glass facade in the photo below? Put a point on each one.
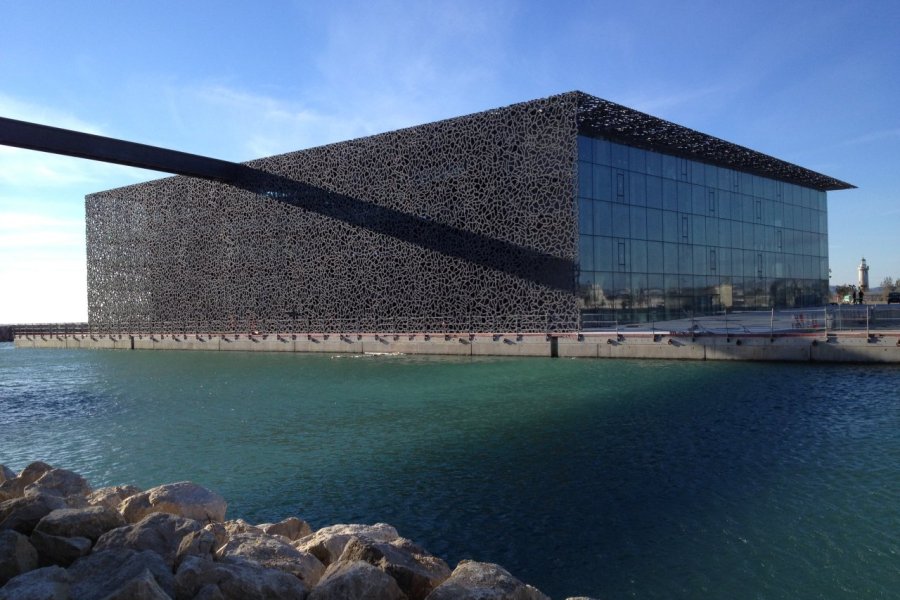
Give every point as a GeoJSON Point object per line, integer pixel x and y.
{"type": "Point", "coordinates": [664, 237]}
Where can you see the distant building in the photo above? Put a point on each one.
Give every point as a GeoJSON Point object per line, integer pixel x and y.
{"type": "Point", "coordinates": [863, 271]}
{"type": "Point", "coordinates": [550, 214]}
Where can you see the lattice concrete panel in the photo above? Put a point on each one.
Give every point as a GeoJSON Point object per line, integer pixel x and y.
{"type": "Point", "coordinates": [467, 224]}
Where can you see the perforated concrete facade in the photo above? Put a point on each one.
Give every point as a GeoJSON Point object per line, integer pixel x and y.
{"type": "Point", "coordinates": [467, 224]}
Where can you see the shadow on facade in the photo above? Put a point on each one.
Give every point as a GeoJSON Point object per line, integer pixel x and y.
{"type": "Point", "coordinates": [526, 263]}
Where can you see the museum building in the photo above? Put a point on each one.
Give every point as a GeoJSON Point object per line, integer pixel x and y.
{"type": "Point", "coordinates": [555, 214]}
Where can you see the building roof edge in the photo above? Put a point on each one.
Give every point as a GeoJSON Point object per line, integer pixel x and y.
{"type": "Point", "coordinates": [599, 117]}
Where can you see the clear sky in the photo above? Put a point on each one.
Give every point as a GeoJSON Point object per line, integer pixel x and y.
{"type": "Point", "coordinates": [814, 83]}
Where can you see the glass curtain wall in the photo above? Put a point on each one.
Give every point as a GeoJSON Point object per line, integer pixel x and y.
{"type": "Point", "coordinates": [663, 237]}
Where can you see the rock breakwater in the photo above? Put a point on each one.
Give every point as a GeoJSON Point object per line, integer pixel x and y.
{"type": "Point", "coordinates": [62, 540]}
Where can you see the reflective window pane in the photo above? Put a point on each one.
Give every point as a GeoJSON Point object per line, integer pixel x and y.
{"type": "Point", "coordinates": [671, 224]}
{"type": "Point", "coordinates": [638, 219]}
{"type": "Point", "coordinates": [603, 218]}
{"type": "Point", "coordinates": [670, 258]}
{"type": "Point", "coordinates": [601, 153]}
{"type": "Point", "coordinates": [654, 224]}
{"type": "Point", "coordinates": [670, 167]}
{"type": "Point", "coordinates": [637, 160]}
{"type": "Point", "coordinates": [685, 201]}
{"type": "Point", "coordinates": [603, 254]}
{"type": "Point", "coordinates": [620, 219]}
{"type": "Point", "coordinates": [602, 177]}
{"type": "Point", "coordinates": [654, 192]}
{"type": "Point", "coordinates": [669, 194]}
{"type": "Point", "coordinates": [585, 148]}
{"type": "Point", "coordinates": [585, 216]}
{"type": "Point", "coordinates": [637, 189]}
{"type": "Point", "coordinates": [619, 155]}
{"type": "Point", "coordinates": [655, 262]}
{"type": "Point", "coordinates": [586, 252]}
{"type": "Point", "coordinates": [585, 182]}
{"type": "Point", "coordinates": [638, 256]}
{"type": "Point", "coordinates": [654, 163]}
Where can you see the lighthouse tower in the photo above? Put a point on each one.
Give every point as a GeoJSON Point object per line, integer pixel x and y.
{"type": "Point", "coordinates": [863, 275]}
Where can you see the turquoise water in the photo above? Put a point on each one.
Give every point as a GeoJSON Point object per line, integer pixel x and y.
{"type": "Point", "coordinates": [616, 479]}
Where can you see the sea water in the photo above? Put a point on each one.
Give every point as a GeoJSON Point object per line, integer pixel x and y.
{"type": "Point", "coordinates": [609, 478]}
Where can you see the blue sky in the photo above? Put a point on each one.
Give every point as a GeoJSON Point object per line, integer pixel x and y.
{"type": "Point", "coordinates": [814, 83]}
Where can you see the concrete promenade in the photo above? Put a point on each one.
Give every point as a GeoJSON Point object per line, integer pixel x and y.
{"type": "Point", "coordinates": [873, 347]}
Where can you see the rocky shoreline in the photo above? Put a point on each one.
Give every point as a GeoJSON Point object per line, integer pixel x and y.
{"type": "Point", "coordinates": [62, 540]}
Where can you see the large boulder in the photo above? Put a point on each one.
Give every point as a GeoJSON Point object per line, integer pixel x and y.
{"type": "Point", "coordinates": [485, 581]}
{"type": "Point", "coordinates": [327, 544]}
{"type": "Point", "coordinates": [160, 532]}
{"type": "Point", "coordinates": [143, 587]}
{"type": "Point", "coordinates": [198, 543]}
{"type": "Point", "coordinates": [218, 531]}
{"type": "Point", "coordinates": [57, 550]}
{"type": "Point", "coordinates": [49, 583]}
{"type": "Point", "coordinates": [235, 526]}
{"type": "Point", "coordinates": [112, 573]}
{"type": "Point", "coordinates": [112, 496]}
{"type": "Point", "coordinates": [33, 472]}
{"type": "Point", "coordinates": [415, 570]}
{"type": "Point", "coordinates": [17, 555]}
{"type": "Point", "coordinates": [63, 483]}
{"type": "Point", "coordinates": [292, 528]}
{"type": "Point", "coordinates": [14, 487]}
{"type": "Point", "coordinates": [6, 474]}
{"type": "Point", "coordinates": [185, 499]}
{"type": "Point", "coordinates": [90, 522]}
{"type": "Point", "coordinates": [209, 591]}
{"type": "Point", "coordinates": [25, 512]}
{"type": "Point", "coordinates": [356, 580]}
{"type": "Point", "coordinates": [274, 553]}
{"type": "Point", "coordinates": [234, 580]}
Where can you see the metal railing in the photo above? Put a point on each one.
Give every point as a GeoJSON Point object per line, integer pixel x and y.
{"type": "Point", "coordinates": [864, 318]}
{"type": "Point", "coordinates": [827, 319]}
{"type": "Point", "coordinates": [48, 329]}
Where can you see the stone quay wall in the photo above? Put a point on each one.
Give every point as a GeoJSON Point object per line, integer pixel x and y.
{"type": "Point", "coordinates": [881, 347]}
